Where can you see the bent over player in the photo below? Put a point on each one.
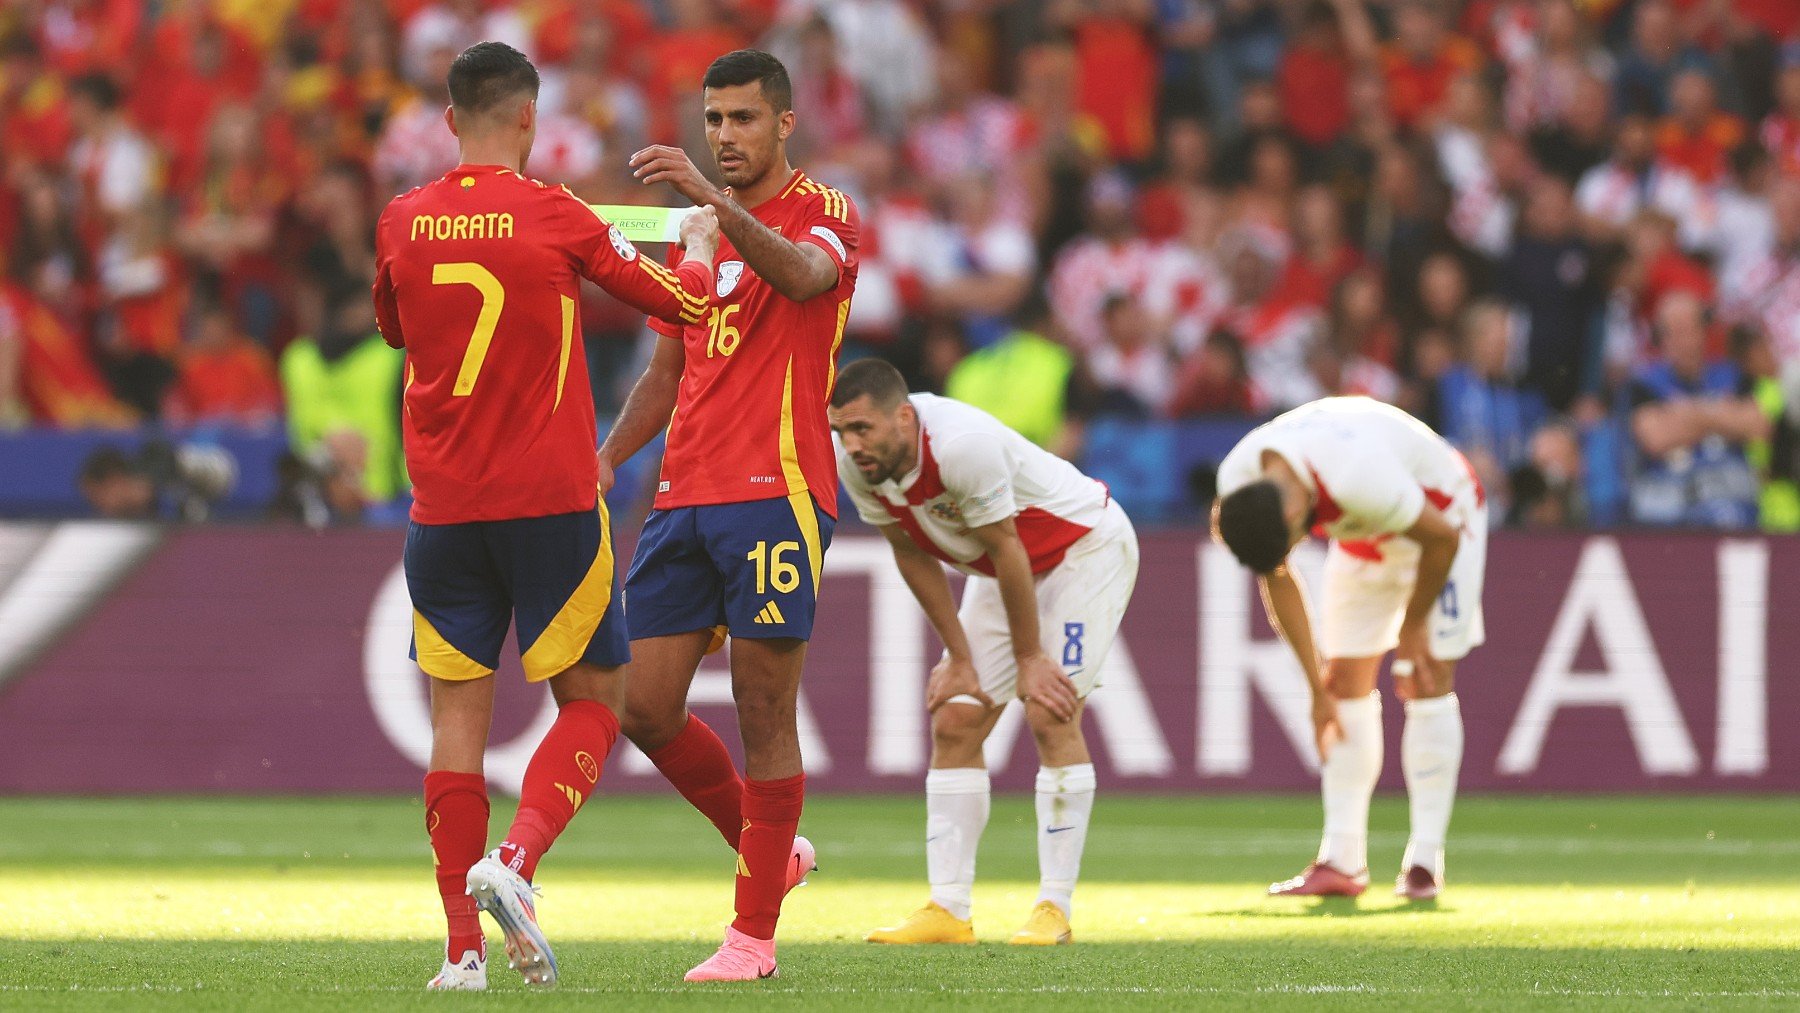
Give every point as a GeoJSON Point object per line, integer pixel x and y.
{"type": "Point", "coordinates": [1408, 526]}
{"type": "Point", "coordinates": [748, 493]}
{"type": "Point", "coordinates": [477, 278]}
{"type": "Point", "coordinates": [1051, 560]}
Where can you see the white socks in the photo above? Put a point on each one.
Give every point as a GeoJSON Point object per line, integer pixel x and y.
{"type": "Point", "coordinates": [1065, 800]}
{"type": "Point", "coordinates": [1431, 752]}
{"type": "Point", "coordinates": [956, 812]}
{"type": "Point", "coordinates": [1348, 780]}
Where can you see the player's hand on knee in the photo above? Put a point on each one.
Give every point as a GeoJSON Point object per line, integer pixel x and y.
{"type": "Point", "coordinates": [1413, 660]}
{"type": "Point", "coordinates": [1043, 682]}
{"type": "Point", "coordinates": [951, 678]}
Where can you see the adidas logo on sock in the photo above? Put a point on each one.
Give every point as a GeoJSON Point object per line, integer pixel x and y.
{"type": "Point", "coordinates": [574, 796]}
{"type": "Point", "coordinates": [770, 615]}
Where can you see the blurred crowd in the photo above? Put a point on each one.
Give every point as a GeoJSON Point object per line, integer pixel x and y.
{"type": "Point", "coordinates": [1565, 233]}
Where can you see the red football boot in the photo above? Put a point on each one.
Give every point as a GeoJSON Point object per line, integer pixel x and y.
{"type": "Point", "coordinates": [1322, 880]}
{"type": "Point", "coordinates": [1418, 883]}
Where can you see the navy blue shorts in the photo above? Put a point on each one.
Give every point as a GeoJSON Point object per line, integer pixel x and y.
{"type": "Point", "coordinates": [749, 568]}
{"type": "Point", "coordinates": [551, 576]}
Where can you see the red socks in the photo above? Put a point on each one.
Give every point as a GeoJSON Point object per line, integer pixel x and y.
{"type": "Point", "coordinates": [560, 777]}
{"type": "Point", "coordinates": [456, 817]}
{"type": "Point", "coordinates": [700, 767]}
{"type": "Point", "coordinates": [771, 815]}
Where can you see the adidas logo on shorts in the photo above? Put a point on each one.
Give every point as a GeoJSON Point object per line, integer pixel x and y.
{"type": "Point", "coordinates": [770, 614]}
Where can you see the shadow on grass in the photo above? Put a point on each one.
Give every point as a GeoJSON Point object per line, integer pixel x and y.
{"type": "Point", "coordinates": [1333, 907]}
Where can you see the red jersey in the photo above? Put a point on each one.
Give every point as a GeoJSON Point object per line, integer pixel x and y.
{"type": "Point", "coordinates": [749, 420]}
{"type": "Point", "coordinates": [477, 277]}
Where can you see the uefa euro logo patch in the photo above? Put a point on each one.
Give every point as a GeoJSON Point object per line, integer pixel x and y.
{"type": "Point", "coordinates": [945, 510]}
{"type": "Point", "coordinates": [621, 245]}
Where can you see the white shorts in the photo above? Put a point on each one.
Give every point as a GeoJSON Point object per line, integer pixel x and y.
{"type": "Point", "coordinates": [1365, 600]}
{"type": "Point", "coordinates": [1080, 604]}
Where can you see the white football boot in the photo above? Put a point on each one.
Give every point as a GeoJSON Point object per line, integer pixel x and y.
{"type": "Point", "coordinates": [507, 896]}
{"type": "Point", "coordinates": [468, 974]}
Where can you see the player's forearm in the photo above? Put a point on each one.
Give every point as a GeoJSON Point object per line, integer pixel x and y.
{"type": "Point", "coordinates": [1435, 559]}
{"type": "Point", "coordinates": [931, 587]}
{"type": "Point", "coordinates": [1284, 599]}
{"type": "Point", "coordinates": [1018, 592]}
{"type": "Point", "coordinates": [783, 264]}
{"type": "Point", "coordinates": [646, 412]}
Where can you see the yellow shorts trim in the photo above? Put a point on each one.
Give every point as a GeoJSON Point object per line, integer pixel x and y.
{"type": "Point", "coordinates": [439, 659]}
{"type": "Point", "coordinates": [808, 520]}
{"type": "Point", "coordinates": [566, 639]}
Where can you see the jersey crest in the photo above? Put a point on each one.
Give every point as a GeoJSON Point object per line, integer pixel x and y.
{"type": "Point", "coordinates": [730, 272]}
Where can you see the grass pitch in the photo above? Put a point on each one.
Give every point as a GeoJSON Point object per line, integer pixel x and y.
{"type": "Point", "coordinates": [234, 904]}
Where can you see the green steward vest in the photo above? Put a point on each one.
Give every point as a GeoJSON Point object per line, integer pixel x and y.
{"type": "Point", "coordinates": [358, 392]}
{"type": "Point", "coordinates": [1022, 380]}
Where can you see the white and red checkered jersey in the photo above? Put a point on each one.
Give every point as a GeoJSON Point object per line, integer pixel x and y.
{"type": "Point", "coordinates": [1372, 466]}
{"type": "Point", "coordinates": [974, 471]}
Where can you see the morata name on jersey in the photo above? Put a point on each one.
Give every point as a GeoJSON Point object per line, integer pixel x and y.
{"type": "Point", "coordinates": [480, 226]}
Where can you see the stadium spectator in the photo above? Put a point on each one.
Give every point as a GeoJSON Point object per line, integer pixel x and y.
{"type": "Point", "coordinates": [1116, 70]}
{"type": "Point", "coordinates": [1550, 275]}
{"type": "Point", "coordinates": [977, 264]}
{"type": "Point", "coordinates": [1612, 193]}
{"type": "Point", "coordinates": [1780, 132]}
{"type": "Point", "coordinates": [1768, 294]}
{"type": "Point", "coordinates": [1692, 416]}
{"type": "Point", "coordinates": [1654, 56]}
{"type": "Point", "coordinates": [1422, 61]}
{"type": "Point", "coordinates": [1482, 408]}
{"type": "Point", "coordinates": [347, 379]}
{"type": "Point", "coordinates": [1214, 381]}
{"type": "Point", "coordinates": [1024, 379]}
{"type": "Point", "coordinates": [1580, 138]}
{"type": "Point", "coordinates": [1697, 137]}
{"type": "Point", "coordinates": [116, 486]}
{"type": "Point", "coordinates": [1131, 367]}
{"type": "Point", "coordinates": [110, 161]}
{"type": "Point", "coordinates": [223, 377]}
{"type": "Point", "coordinates": [1314, 79]}
{"type": "Point", "coordinates": [1280, 329]}
{"type": "Point", "coordinates": [1776, 458]}
{"type": "Point", "coordinates": [414, 147]}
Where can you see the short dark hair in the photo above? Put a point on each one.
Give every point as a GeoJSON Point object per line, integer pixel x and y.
{"type": "Point", "coordinates": [875, 378]}
{"type": "Point", "coordinates": [1250, 523]}
{"type": "Point", "coordinates": [487, 74]}
{"type": "Point", "coordinates": [747, 66]}
{"type": "Point", "coordinates": [105, 464]}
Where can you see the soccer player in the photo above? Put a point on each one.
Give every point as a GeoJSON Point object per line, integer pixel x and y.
{"type": "Point", "coordinates": [1051, 561]}
{"type": "Point", "coordinates": [748, 495]}
{"type": "Point", "coordinates": [477, 277]}
{"type": "Point", "coordinates": [1408, 526]}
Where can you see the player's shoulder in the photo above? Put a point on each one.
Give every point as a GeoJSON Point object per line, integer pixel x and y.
{"type": "Point", "coordinates": [821, 198]}
{"type": "Point", "coordinates": [959, 430]}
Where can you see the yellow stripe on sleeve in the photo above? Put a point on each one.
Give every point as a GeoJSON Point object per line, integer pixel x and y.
{"type": "Point", "coordinates": [692, 306]}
